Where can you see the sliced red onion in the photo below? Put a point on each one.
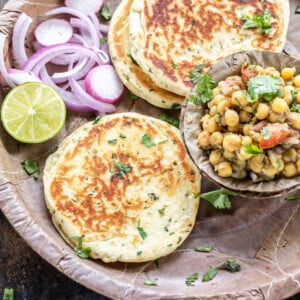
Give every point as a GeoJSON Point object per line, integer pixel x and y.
{"type": "Point", "coordinates": [69, 98]}
{"type": "Point", "coordinates": [76, 70]}
{"type": "Point", "coordinates": [88, 99]}
{"type": "Point", "coordinates": [87, 7]}
{"type": "Point", "coordinates": [3, 69]}
{"type": "Point", "coordinates": [96, 24]}
{"type": "Point", "coordinates": [20, 76]}
{"type": "Point", "coordinates": [83, 17]}
{"type": "Point", "coordinates": [18, 38]}
{"type": "Point", "coordinates": [40, 58]}
{"type": "Point", "coordinates": [53, 31]}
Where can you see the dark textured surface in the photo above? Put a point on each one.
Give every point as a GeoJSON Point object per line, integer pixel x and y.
{"type": "Point", "coordinates": [30, 276]}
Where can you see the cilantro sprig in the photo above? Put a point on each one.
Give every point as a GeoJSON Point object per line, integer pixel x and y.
{"type": "Point", "coordinates": [142, 232]}
{"type": "Point", "coordinates": [205, 87]}
{"type": "Point", "coordinates": [31, 167]}
{"type": "Point", "coordinates": [8, 294]}
{"type": "Point", "coordinates": [80, 251]}
{"type": "Point", "coordinates": [190, 280]}
{"type": "Point", "coordinates": [105, 12]}
{"type": "Point", "coordinates": [169, 119]}
{"type": "Point", "coordinates": [229, 265]}
{"type": "Point", "coordinates": [264, 87]}
{"type": "Point", "coordinates": [218, 198]}
{"type": "Point", "coordinates": [261, 21]}
{"type": "Point", "coordinates": [147, 141]}
{"type": "Point", "coordinates": [195, 74]}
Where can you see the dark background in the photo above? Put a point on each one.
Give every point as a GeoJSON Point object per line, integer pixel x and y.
{"type": "Point", "coordinates": [29, 275]}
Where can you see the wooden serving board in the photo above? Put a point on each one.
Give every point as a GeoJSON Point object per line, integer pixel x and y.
{"type": "Point", "coordinates": [263, 234]}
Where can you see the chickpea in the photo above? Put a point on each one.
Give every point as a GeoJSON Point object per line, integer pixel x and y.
{"type": "Point", "coordinates": [269, 170]}
{"type": "Point", "coordinates": [294, 119]}
{"type": "Point", "coordinates": [290, 155]}
{"type": "Point", "coordinates": [224, 169]}
{"type": "Point", "coordinates": [247, 128]}
{"type": "Point", "coordinates": [232, 118]}
{"type": "Point", "coordinates": [238, 99]}
{"type": "Point", "coordinates": [210, 125]}
{"type": "Point", "coordinates": [276, 160]}
{"type": "Point", "coordinates": [279, 105]}
{"type": "Point", "coordinates": [298, 165]}
{"type": "Point", "coordinates": [246, 140]}
{"type": "Point", "coordinates": [298, 97]}
{"type": "Point", "coordinates": [289, 170]}
{"type": "Point", "coordinates": [256, 163]}
{"type": "Point", "coordinates": [216, 140]}
{"type": "Point", "coordinates": [232, 142]}
{"type": "Point", "coordinates": [274, 117]}
{"type": "Point", "coordinates": [296, 81]}
{"type": "Point", "coordinates": [204, 139]}
{"type": "Point", "coordinates": [245, 117]}
{"type": "Point", "coordinates": [213, 110]}
{"type": "Point", "coordinates": [215, 157]}
{"type": "Point", "coordinates": [287, 93]}
{"type": "Point", "coordinates": [288, 73]}
{"type": "Point", "coordinates": [216, 91]}
{"type": "Point", "coordinates": [229, 155]}
{"type": "Point", "coordinates": [235, 129]}
{"type": "Point", "coordinates": [218, 98]}
{"type": "Point", "coordinates": [223, 105]}
{"type": "Point", "coordinates": [263, 110]}
{"type": "Point", "coordinates": [271, 71]}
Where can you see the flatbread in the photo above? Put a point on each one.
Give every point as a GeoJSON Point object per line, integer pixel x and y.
{"type": "Point", "coordinates": [125, 186]}
{"type": "Point", "coordinates": [130, 73]}
{"type": "Point", "coordinates": [169, 38]}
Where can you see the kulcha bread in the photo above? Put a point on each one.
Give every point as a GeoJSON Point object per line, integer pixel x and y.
{"type": "Point", "coordinates": [125, 185]}
{"type": "Point", "coordinates": [169, 38]}
{"type": "Point", "coordinates": [130, 73]}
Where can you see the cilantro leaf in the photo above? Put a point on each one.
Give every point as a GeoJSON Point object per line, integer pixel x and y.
{"type": "Point", "coordinates": [103, 41]}
{"type": "Point", "coordinates": [97, 119]}
{"type": "Point", "coordinates": [261, 21]}
{"type": "Point", "coordinates": [218, 198]}
{"type": "Point", "coordinates": [105, 12]}
{"type": "Point", "coordinates": [204, 88]}
{"type": "Point", "coordinates": [210, 274]}
{"type": "Point", "coordinates": [295, 197]}
{"type": "Point", "coordinates": [169, 119]}
{"type": "Point", "coordinates": [295, 108]}
{"type": "Point", "coordinates": [31, 167]}
{"type": "Point", "coordinates": [191, 279]}
{"type": "Point", "coordinates": [203, 248]}
{"type": "Point", "coordinates": [132, 96]}
{"type": "Point", "coordinates": [147, 141]}
{"type": "Point", "coordinates": [149, 281]}
{"type": "Point", "coordinates": [195, 99]}
{"type": "Point", "coordinates": [79, 251]}
{"type": "Point", "coordinates": [8, 294]}
{"type": "Point", "coordinates": [265, 87]}
{"type": "Point", "coordinates": [141, 231]}
{"type": "Point", "coordinates": [297, 9]}
{"type": "Point", "coordinates": [195, 76]}
{"type": "Point", "coordinates": [122, 169]}
{"type": "Point", "coordinates": [252, 149]}
{"type": "Point", "coordinates": [230, 265]}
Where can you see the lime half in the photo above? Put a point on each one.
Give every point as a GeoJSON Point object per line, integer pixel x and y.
{"type": "Point", "coordinates": [33, 112]}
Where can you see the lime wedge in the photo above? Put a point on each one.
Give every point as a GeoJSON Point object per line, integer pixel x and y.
{"type": "Point", "coordinates": [33, 112]}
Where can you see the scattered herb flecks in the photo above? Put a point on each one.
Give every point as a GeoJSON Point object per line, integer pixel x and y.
{"type": "Point", "coordinates": [203, 248]}
{"type": "Point", "coordinates": [31, 167]}
{"type": "Point", "coordinates": [97, 119]}
{"type": "Point", "coordinates": [210, 274]}
{"type": "Point", "coordinates": [252, 149]}
{"type": "Point", "coordinates": [141, 231]}
{"type": "Point", "coordinates": [8, 294]}
{"type": "Point", "coordinates": [149, 281]}
{"type": "Point", "coordinates": [153, 196]}
{"type": "Point", "coordinates": [147, 141]}
{"type": "Point", "coordinates": [169, 119]}
{"type": "Point", "coordinates": [190, 280]}
{"type": "Point", "coordinates": [122, 169]}
{"type": "Point", "coordinates": [105, 12]}
{"type": "Point", "coordinates": [79, 251]}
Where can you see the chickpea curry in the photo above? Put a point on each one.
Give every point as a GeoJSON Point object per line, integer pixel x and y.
{"type": "Point", "coordinates": [251, 124]}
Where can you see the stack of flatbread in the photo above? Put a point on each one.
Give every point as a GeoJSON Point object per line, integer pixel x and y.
{"type": "Point", "coordinates": [154, 44]}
